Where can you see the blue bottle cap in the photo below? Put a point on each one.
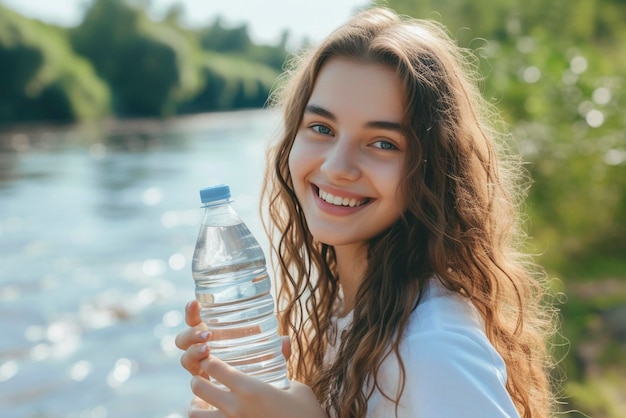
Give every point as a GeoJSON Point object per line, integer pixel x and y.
{"type": "Point", "coordinates": [215, 193]}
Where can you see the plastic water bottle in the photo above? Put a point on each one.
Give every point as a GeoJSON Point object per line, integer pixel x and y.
{"type": "Point", "coordinates": [233, 288]}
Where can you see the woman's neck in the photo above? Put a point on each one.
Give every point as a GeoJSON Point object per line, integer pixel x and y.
{"type": "Point", "coordinates": [351, 265]}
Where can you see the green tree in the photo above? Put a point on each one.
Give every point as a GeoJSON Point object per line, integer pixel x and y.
{"type": "Point", "coordinates": [43, 79]}
{"type": "Point", "coordinates": [218, 38]}
{"type": "Point", "coordinates": [148, 66]}
{"type": "Point", "coordinates": [232, 81]}
{"type": "Point", "coordinates": [142, 67]}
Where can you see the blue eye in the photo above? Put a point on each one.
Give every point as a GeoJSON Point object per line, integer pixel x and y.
{"type": "Point", "coordinates": [322, 129]}
{"type": "Point", "coordinates": [384, 145]}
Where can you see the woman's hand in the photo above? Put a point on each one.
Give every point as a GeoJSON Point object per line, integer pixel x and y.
{"type": "Point", "coordinates": [248, 397]}
{"type": "Point", "coordinates": [193, 340]}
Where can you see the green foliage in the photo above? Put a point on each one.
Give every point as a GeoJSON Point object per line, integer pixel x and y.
{"type": "Point", "coordinates": [599, 397]}
{"type": "Point", "coordinates": [44, 78]}
{"type": "Point", "coordinates": [159, 68]}
{"type": "Point", "coordinates": [143, 63]}
{"type": "Point", "coordinates": [556, 70]}
{"type": "Point", "coordinates": [466, 20]}
{"type": "Point", "coordinates": [232, 81]}
{"type": "Point", "coordinates": [142, 67]}
{"type": "Point", "coordinates": [236, 40]}
{"type": "Point", "coordinates": [217, 38]}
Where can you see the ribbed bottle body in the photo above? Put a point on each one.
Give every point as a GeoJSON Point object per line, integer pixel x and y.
{"type": "Point", "coordinates": [233, 288]}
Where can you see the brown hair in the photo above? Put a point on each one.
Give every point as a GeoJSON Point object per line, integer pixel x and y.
{"type": "Point", "coordinates": [461, 225]}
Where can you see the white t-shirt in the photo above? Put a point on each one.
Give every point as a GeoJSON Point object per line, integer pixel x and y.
{"type": "Point", "coordinates": [451, 368]}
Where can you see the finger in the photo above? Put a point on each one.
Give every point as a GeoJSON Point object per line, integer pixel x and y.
{"type": "Point", "coordinates": [191, 336]}
{"type": "Point", "coordinates": [211, 393]}
{"type": "Point", "coordinates": [199, 408]}
{"type": "Point", "coordinates": [192, 313]}
{"type": "Point", "coordinates": [286, 347]}
{"type": "Point", "coordinates": [200, 403]}
{"type": "Point", "coordinates": [192, 358]}
{"type": "Point", "coordinates": [230, 377]}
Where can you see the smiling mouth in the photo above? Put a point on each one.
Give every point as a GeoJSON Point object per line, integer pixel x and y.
{"type": "Point", "coordinates": [341, 201]}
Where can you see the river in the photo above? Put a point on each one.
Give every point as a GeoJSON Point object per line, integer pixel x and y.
{"type": "Point", "coordinates": [97, 229]}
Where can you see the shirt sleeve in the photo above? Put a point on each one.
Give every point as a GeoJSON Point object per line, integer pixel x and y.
{"type": "Point", "coordinates": [450, 374]}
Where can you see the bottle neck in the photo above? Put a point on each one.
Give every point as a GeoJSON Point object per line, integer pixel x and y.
{"type": "Point", "coordinates": [220, 213]}
{"type": "Point", "coordinates": [220, 202]}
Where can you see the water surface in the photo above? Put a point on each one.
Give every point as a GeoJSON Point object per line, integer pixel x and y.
{"type": "Point", "coordinates": [96, 236]}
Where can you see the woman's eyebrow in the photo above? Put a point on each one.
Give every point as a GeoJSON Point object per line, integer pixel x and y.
{"type": "Point", "coordinates": [320, 111]}
{"type": "Point", "coordinates": [375, 124]}
{"type": "Point", "coordinates": [383, 124]}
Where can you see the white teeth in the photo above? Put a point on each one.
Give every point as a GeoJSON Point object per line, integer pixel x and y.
{"type": "Point", "coordinates": [340, 201]}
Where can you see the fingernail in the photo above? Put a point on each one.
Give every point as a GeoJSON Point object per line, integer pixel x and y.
{"type": "Point", "coordinates": [205, 335]}
{"type": "Point", "coordinates": [188, 306]}
{"type": "Point", "coordinates": [203, 349]}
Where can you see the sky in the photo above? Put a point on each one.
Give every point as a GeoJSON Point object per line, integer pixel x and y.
{"type": "Point", "coordinates": [266, 19]}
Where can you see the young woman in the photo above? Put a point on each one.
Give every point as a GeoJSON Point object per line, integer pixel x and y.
{"type": "Point", "coordinates": [393, 214]}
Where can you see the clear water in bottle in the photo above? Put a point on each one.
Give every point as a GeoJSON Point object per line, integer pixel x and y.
{"type": "Point", "coordinates": [233, 288]}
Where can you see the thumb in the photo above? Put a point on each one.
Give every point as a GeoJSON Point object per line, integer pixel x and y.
{"type": "Point", "coordinates": [192, 313]}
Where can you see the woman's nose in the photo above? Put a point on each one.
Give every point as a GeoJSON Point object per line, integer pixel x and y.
{"type": "Point", "coordinates": [340, 162]}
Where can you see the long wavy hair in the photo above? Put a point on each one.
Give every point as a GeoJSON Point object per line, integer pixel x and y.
{"type": "Point", "coordinates": [461, 224]}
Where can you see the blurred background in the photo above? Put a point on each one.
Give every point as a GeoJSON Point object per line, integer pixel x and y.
{"type": "Point", "coordinates": [113, 113]}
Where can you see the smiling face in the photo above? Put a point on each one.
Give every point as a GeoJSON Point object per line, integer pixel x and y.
{"type": "Point", "coordinates": [347, 159]}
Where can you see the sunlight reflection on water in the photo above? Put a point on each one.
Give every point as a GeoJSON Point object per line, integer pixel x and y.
{"type": "Point", "coordinates": [96, 237]}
